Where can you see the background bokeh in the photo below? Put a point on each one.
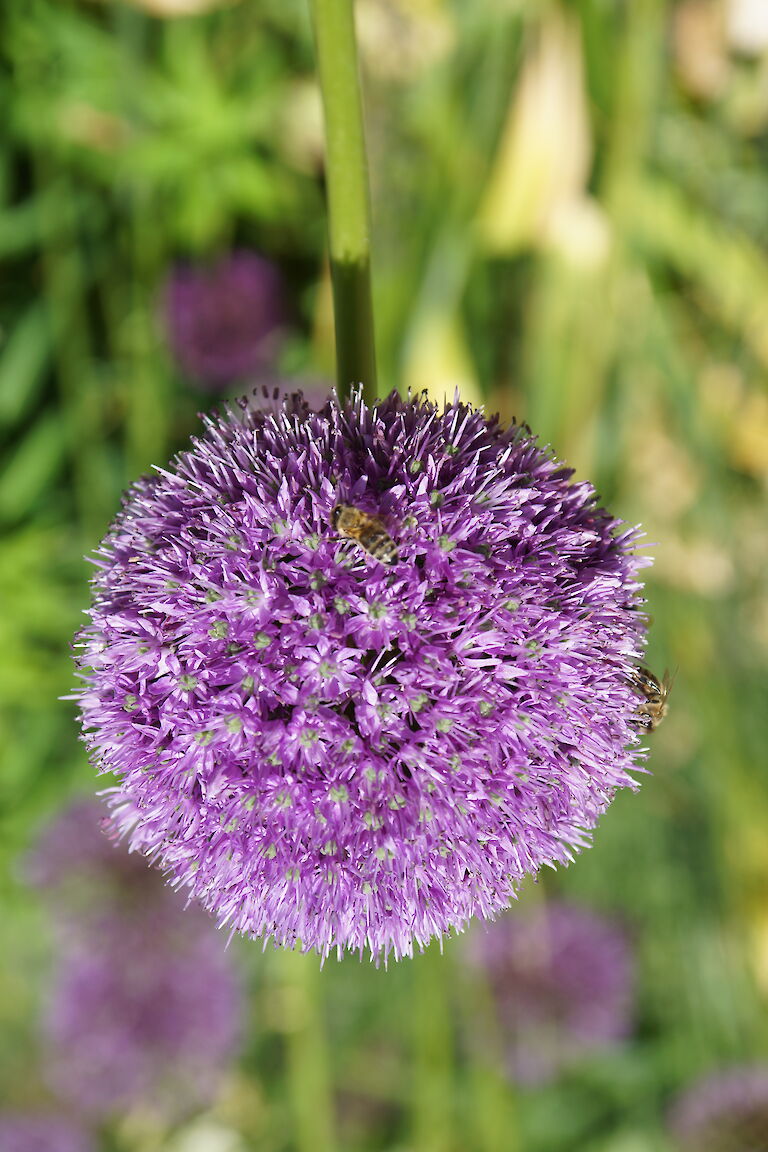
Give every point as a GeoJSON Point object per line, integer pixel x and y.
{"type": "Point", "coordinates": [570, 205]}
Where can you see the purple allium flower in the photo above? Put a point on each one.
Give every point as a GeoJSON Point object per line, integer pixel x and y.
{"type": "Point", "coordinates": [724, 1112]}
{"type": "Point", "coordinates": [561, 980]}
{"type": "Point", "coordinates": [145, 1016]}
{"type": "Point", "coordinates": [222, 319]}
{"type": "Point", "coordinates": [145, 1002]}
{"type": "Point", "coordinates": [37, 1132]}
{"type": "Point", "coordinates": [328, 749]}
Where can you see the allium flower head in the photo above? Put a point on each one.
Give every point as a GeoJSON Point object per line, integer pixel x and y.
{"type": "Point", "coordinates": [222, 319]}
{"type": "Point", "coordinates": [37, 1132]}
{"type": "Point", "coordinates": [724, 1112]}
{"type": "Point", "coordinates": [147, 1015]}
{"type": "Point", "coordinates": [145, 1003]}
{"type": "Point", "coordinates": [561, 980]}
{"type": "Point", "coordinates": [329, 749]}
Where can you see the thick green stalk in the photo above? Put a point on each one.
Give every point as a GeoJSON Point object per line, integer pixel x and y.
{"type": "Point", "coordinates": [308, 1057]}
{"type": "Point", "coordinates": [491, 1119]}
{"type": "Point", "coordinates": [432, 1073]}
{"type": "Point", "coordinates": [347, 188]}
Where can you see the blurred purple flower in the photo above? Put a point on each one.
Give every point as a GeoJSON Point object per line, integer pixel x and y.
{"type": "Point", "coordinates": [145, 1002]}
{"type": "Point", "coordinates": [37, 1132]}
{"type": "Point", "coordinates": [222, 319]}
{"type": "Point", "coordinates": [724, 1112]}
{"type": "Point", "coordinates": [148, 1015]}
{"type": "Point", "coordinates": [325, 748]}
{"type": "Point", "coordinates": [561, 980]}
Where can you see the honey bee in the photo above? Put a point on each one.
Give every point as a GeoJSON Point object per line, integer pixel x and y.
{"type": "Point", "coordinates": [653, 692]}
{"type": "Point", "coordinates": [367, 531]}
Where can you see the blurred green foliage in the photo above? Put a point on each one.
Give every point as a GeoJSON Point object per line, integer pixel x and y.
{"type": "Point", "coordinates": [570, 209]}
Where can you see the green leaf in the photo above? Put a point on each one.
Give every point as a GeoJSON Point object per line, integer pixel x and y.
{"type": "Point", "coordinates": [728, 269]}
{"type": "Point", "coordinates": [22, 363]}
{"type": "Point", "coordinates": [32, 467]}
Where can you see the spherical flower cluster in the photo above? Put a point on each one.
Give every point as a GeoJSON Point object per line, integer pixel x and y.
{"type": "Point", "coordinates": [561, 981]}
{"type": "Point", "coordinates": [327, 748]}
{"type": "Point", "coordinates": [145, 1004]}
{"type": "Point", "coordinates": [147, 1017]}
{"type": "Point", "coordinates": [724, 1112]}
{"type": "Point", "coordinates": [222, 320]}
{"type": "Point", "coordinates": [36, 1132]}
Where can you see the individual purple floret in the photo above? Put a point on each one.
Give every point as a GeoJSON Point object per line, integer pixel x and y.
{"type": "Point", "coordinates": [561, 982]}
{"type": "Point", "coordinates": [313, 390]}
{"type": "Point", "coordinates": [325, 748]}
{"type": "Point", "coordinates": [724, 1112]}
{"type": "Point", "coordinates": [145, 1004]}
{"type": "Point", "coordinates": [38, 1132]}
{"type": "Point", "coordinates": [222, 319]}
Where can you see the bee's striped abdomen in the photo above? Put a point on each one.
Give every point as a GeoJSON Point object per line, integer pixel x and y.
{"type": "Point", "coordinates": [367, 531]}
{"type": "Point", "coordinates": [379, 543]}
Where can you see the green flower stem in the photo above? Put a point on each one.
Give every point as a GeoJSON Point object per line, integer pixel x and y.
{"type": "Point", "coordinates": [308, 1056]}
{"type": "Point", "coordinates": [492, 1116]}
{"type": "Point", "coordinates": [348, 201]}
{"type": "Point", "coordinates": [433, 1097]}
